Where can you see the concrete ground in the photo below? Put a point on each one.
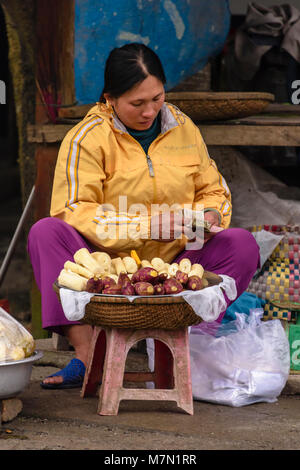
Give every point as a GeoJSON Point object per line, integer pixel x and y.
{"type": "Point", "coordinates": [62, 420]}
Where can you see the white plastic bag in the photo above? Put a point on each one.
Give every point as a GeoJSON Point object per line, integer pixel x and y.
{"type": "Point", "coordinates": [15, 341]}
{"type": "Point", "coordinates": [241, 362]}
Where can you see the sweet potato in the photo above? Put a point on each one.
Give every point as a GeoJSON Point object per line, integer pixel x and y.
{"type": "Point", "coordinates": [172, 286]}
{"type": "Point", "coordinates": [212, 278]}
{"type": "Point", "coordinates": [162, 277]}
{"type": "Point", "coordinates": [159, 289]}
{"type": "Point", "coordinates": [135, 277]}
{"type": "Point", "coordinates": [113, 290]}
{"type": "Point", "coordinates": [182, 277]}
{"type": "Point", "coordinates": [128, 289]}
{"type": "Point", "coordinates": [123, 279]}
{"type": "Point", "coordinates": [108, 282]}
{"type": "Point", "coordinates": [94, 284]}
{"type": "Point", "coordinates": [146, 274]}
{"type": "Point", "coordinates": [144, 288]}
{"type": "Point", "coordinates": [194, 283]}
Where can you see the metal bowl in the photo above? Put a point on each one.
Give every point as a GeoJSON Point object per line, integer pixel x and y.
{"type": "Point", "coordinates": [15, 375]}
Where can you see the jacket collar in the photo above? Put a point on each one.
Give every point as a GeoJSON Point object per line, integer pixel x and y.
{"type": "Point", "coordinates": [168, 120]}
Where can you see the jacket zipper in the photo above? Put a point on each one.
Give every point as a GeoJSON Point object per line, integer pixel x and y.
{"type": "Point", "coordinates": [149, 161]}
{"type": "Point", "coordinates": [150, 166]}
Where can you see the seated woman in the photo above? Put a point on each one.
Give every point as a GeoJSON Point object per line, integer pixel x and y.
{"type": "Point", "coordinates": [131, 153]}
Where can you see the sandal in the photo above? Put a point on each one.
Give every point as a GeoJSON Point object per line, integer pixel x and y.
{"type": "Point", "coordinates": [73, 375]}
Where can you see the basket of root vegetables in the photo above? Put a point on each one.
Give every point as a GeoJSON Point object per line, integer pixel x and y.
{"type": "Point", "coordinates": [134, 293]}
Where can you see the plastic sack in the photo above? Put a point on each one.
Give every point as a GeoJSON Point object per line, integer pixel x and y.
{"type": "Point", "coordinates": [241, 362]}
{"type": "Point", "coordinates": [243, 304]}
{"type": "Point", "coordinates": [15, 341]}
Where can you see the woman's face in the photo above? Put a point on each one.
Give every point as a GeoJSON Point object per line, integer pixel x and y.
{"type": "Point", "coordinates": [139, 106]}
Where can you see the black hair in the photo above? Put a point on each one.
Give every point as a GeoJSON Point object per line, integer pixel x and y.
{"type": "Point", "coordinates": [128, 65]}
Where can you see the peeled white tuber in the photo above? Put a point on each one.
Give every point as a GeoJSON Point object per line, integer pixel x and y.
{"type": "Point", "coordinates": [197, 270]}
{"type": "Point", "coordinates": [84, 257]}
{"type": "Point", "coordinates": [158, 264]}
{"type": "Point", "coordinates": [118, 265]}
{"type": "Point", "coordinates": [185, 265]}
{"type": "Point", "coordinates": [146, 264]}
{"type": "Point", "coordinates": [72, 280]}
{"type": "Point", "coordinates": [114, 277]}
{"type": "Point", "coordinates": [173, 268]}
{"type": "Point", "coordinates": [130, 264]}
{"type": "Point", "coordinates": [78, 269]}
{"type": "Point", "coordinates": [103, 259]}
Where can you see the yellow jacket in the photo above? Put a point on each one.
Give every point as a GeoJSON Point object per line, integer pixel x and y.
{"type": "Point", "coordinates": [106, 187]}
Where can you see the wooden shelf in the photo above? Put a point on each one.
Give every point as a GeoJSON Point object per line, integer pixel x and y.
{"type": "Point", "coordinates": [278, 125]}
{"type": "Point", "coordinates": [47, 133]}
{"type": "Point", "coordinates": [251, 134]}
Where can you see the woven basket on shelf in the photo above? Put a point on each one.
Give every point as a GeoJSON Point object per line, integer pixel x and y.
{"type": "Point", "coordinates": [208, 106]}
{"type": "Point", "coordinates": [165, 312]}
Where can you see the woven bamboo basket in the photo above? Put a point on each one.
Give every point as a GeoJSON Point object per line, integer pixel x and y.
{"type": "Point", "coordinates": [278, 280]}
{"type": "Point", "coordinates": [165, 312]}
{"type": "Point", "coordinates": [210, 106]}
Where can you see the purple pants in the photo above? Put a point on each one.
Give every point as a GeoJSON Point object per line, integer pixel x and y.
{"type": "Point", "coordinates": [51, 242]}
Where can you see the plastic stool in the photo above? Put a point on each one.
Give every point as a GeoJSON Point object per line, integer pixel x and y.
{"type": "Point", "coordinates": [107, 358]}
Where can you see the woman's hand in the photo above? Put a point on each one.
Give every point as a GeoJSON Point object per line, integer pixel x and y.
{"type": "Point", "coordinates": [213, 218]}
{"type": "Point", "coordinates": [169, 226]}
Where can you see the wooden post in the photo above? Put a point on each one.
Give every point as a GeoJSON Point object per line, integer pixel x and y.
{"type": "Point", "coordinates": [37, 330]}
{"type": "Point", "coordinates": [54, 76]}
